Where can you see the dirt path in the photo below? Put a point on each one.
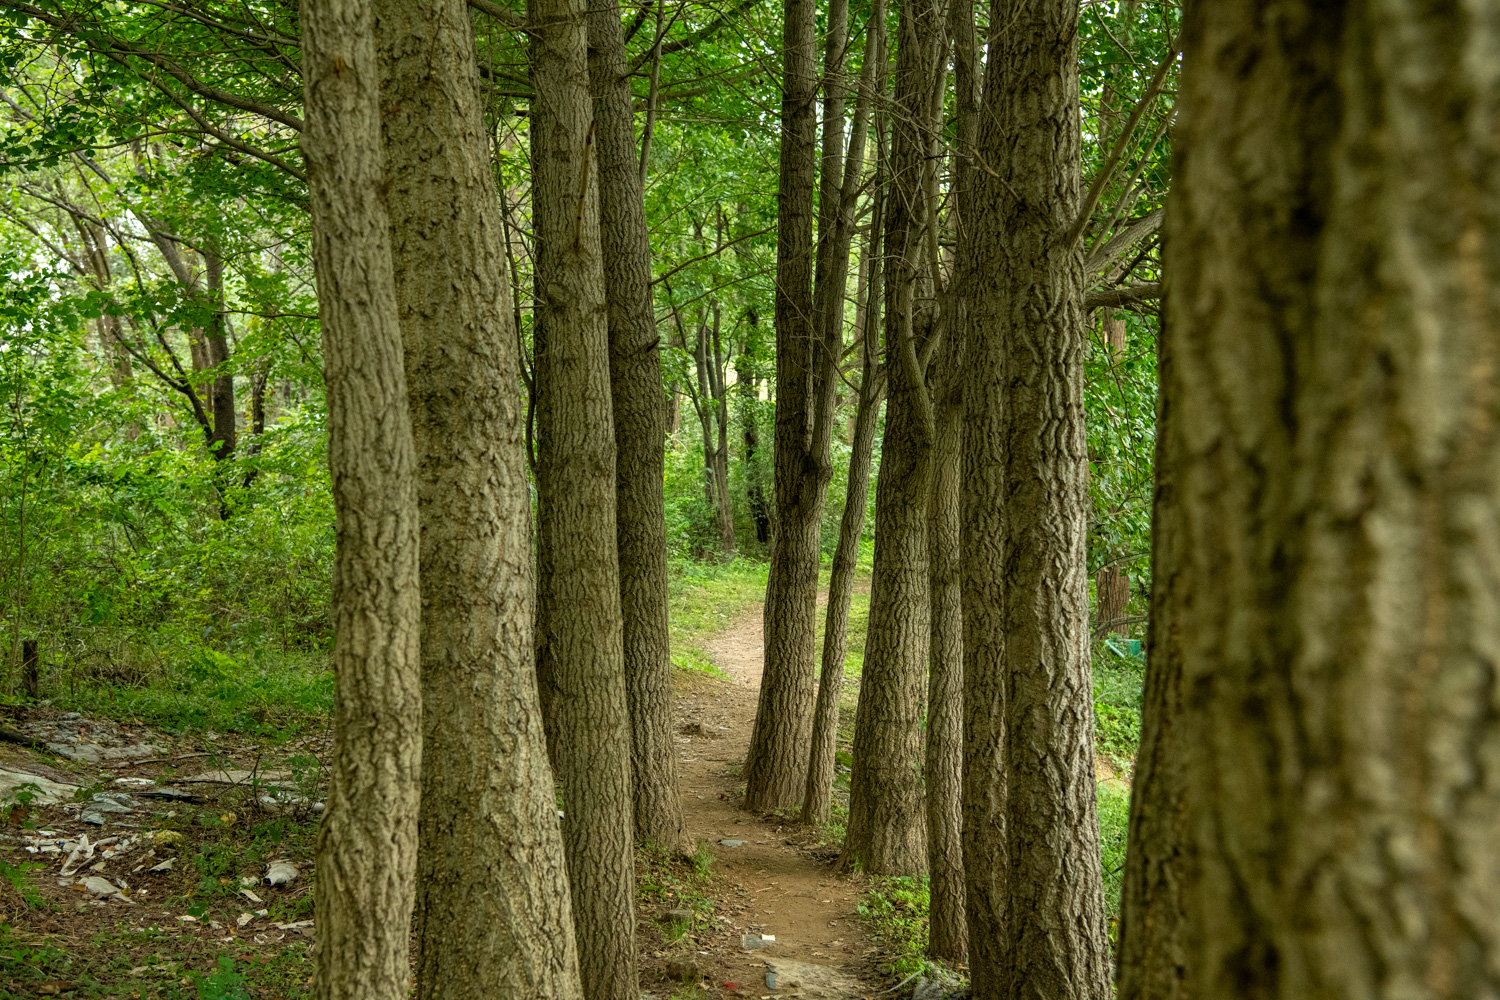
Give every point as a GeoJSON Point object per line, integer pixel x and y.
{"type": "Point", "coordinates": [776, 880]}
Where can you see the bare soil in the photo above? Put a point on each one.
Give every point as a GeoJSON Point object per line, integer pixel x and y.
{"type": "Point", "coordinates": [780, 880]}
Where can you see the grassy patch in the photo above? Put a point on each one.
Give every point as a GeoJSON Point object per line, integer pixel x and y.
{"type": "Point", "coordinates": [273, 696]}
{"type": "Point", "coordinates": [1114, 823]}
{"type": "Point", "coordinates": [706, 598]}
{"type": "Point", "coordinates": [670, 882]}
{"type": "Point", "coordinates": [895, 908]}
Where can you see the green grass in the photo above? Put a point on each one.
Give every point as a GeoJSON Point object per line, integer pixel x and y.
{"type": "Point", "coordinates": [274, 696]}
{"type": "Point", "coordinates": [896, 907]}
{"type": "Point", "coordinates": [1114, 823]}
{"type": "Point", "coordinates": [706, 598]}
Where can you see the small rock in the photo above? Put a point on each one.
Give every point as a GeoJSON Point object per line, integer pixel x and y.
{"type": "Point", "coordinates": [750, 942]}
{"type": "Point", "coordinates": [927, 989]}
{"type": "Point", "coordinates": [281, 873]}
{"type": "Point", "coordinates": [678, 916]}
{"type": "Point", "coordinates": [733, 843]}
{"type": "Point", "coordinates": [770, 980]}
{"type": "Point", "coordinates": [682, 972]}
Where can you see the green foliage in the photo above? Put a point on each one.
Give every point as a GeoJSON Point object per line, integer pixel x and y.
{"type": "Point", "coordinates": [16, 875]}
{"type": "Point", "coordinates": [896, 908]}
{"type": "Point", "coordinates": [1118, 685]}
{"type": "Point", "coordinates": [224, 983]}
{"type": "Point", "coordinates": [1114, 825]}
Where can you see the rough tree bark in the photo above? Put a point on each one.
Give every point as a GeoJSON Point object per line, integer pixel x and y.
{"type": "Point", "coordinates": [580, 656]}
{"type": "Point", "coordinates": [776, 764]}
{"type": "Point", "coordinates": [1332, 440]}
{"type": "Point", "coordinates": [1031, 837]}
{"type": "Point", "coordinates": [1113, 588]}
{"type": "Point", "coordinates": [493, 911]}
{"type": "Point", "coordinates": [947, 934]}
{"type": "Point", "coordinates": [947, 930]}
{"type": "Point", "coordinates": [887, 829]}
{"type": "Point", "coordinates": [367, 842]}
{"type": "Point", "coordinates": [640, 434]}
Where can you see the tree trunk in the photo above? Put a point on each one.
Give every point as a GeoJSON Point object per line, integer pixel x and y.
{"type": "Point", "coordinates": [221, 443]}
{"type": "Point", "coordinates": [491, 846]}
{"type": "Point", "coordinates": [947, 934]}
{"type": "Point", "coordinates": [886, 832]}
{"type": "Point", "coordinates": [1031, 836]}
{"type": "Point", "coordinates": [367, 841]}
{"type": "Point", "coordinates": [1113, 587]}
{"type": "Point", "coordinates": [640, 434]}
{"type": "Point", "coordinates": [1149, 952]}
{"type": "Point", "coordinates": [750, 436]}
{"type": "Point", "coordinates": [818, 798]}
{"type": "Point", "coordinates": [31, 669]}
{"type": "Point", "coordinates": [721, 448]}
{"type": "Point", "coordinates": [1331, 442]}
{"type": "Point", "coordinates": [580, 657]}
{"type": "Point", "coordinates": [776, 765]}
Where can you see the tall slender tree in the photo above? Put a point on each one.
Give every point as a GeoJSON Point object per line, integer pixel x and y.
{"type": "Point", "coordinates": [640, 433]}
{"type": "Point", "coordinates": [580, 656]}
{"type": "Point", "coordinates": [1031, 838]}
{"type": "Point", "coordinates": [817, 798]}
{"type": "Point", "coordinates": [493, 911]}
{"type": "Point", "coordinates": [367, 841]}
{"type": "Point", "coordinates": [776, 765]}
{"type": "Point", "coordinates": [1330, 446]}
{"type": "Point", "coordinates": [887, 821]}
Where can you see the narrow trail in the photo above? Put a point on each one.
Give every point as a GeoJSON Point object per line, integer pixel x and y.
{"type": "Point", "coordinates": [777, 880]}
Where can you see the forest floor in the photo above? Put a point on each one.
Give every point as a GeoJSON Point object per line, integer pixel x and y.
{"type": "Point", "coordinates": [775, 878]}
{"type": "Point", "coordinates": [140, 869]}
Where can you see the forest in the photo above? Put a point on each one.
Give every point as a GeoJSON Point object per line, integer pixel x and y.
{"type": "Point", "coordinates": [624, 499]}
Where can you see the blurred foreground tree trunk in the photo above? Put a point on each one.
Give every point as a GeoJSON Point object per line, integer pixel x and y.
{"type": "Point", "coordinates": [1329, 462]}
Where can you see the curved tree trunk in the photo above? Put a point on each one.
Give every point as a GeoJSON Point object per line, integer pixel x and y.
{"type": "Point", "coordinates": [776, 764]}
{"type": "Point", "coordinates": [367, 841]}
{"type": "Point", "coordinates": [886, 832]}
{"type": "Point", "coordinates": [493, 911]}
{"type": "Point", "coordinates": [640, 434]}
{"type": "Point", "coordinates": [580, 656]}
{"type": "Point", "coordinates": [1031, 836]}
{"type": "Point", "coordinates": [1331, 443]}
